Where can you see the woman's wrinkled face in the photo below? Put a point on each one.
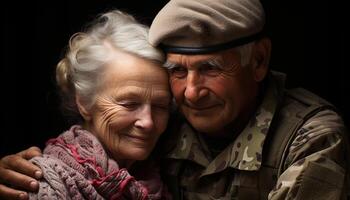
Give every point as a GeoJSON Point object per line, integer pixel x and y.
{"type": "Point", "coordinates": [132, 107]}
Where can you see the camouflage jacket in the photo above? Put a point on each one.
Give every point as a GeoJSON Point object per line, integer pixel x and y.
{"type": "Point", "coordinates": [313, 164]}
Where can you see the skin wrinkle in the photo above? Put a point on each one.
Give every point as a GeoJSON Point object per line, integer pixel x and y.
{"type": "Point", "coordinates": [200, 88]}
{"type": "Point", "coordinates": [106, 120]}
{"type": "Point", "coordinates": [107, 116]}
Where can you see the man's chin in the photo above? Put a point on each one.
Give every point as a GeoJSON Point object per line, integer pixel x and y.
{"type": "Point", "coordinates": [204, 126]}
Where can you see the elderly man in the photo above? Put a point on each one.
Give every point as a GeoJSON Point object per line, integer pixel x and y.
{"type": "Point", "coordinates": [240, 134]}
{"type": "Point", "coordinates": [244, 136]}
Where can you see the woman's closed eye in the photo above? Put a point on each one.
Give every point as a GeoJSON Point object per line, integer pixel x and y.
{"type": "Point", "coordinates": [131, 105]}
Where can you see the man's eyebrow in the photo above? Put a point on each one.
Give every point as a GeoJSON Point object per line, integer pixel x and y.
{"type": "Point", "coordinates": [171, 65]}
{"type": "Point", "coordinates": [214, 62]}
{"type": "Point", "coordinates": [211, 62]}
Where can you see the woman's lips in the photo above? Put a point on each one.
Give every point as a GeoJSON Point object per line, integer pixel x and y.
{"type": "Point", "coordinates": [138, 138]}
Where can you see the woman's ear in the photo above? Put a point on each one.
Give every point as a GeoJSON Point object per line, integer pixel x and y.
{"type": "Point", "coordinates": [261, 58]}
{"type": "Point", "coordinates": [84, 112]}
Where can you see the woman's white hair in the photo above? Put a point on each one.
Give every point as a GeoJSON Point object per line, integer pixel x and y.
{"type": "Point", "coordinates": [80, 70]}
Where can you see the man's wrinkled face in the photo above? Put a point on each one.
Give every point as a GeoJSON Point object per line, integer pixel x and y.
{"type": "Point", "coordinates": [213, 90]}
{"type": "Point", "coordinates": [131, 108]}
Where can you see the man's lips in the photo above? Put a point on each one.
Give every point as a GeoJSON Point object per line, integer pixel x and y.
{"type": "Point", "coordinates": [201, 107]}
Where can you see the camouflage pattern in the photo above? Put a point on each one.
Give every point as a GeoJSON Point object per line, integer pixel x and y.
{"type": "Point", "coordinates": [317, 146]}
{"type": "Point", "coordinates": [315, 164]}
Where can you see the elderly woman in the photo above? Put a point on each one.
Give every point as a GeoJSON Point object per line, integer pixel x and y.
{"type": "Point", "coordinates": [114, 81]}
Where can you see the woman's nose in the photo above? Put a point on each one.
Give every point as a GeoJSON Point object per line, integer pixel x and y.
{"type": "Point", "coordinates": [144, 118]}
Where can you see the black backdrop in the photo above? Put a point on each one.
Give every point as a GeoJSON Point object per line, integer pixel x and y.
{"type": "Point", "coordinates": [308, 44]}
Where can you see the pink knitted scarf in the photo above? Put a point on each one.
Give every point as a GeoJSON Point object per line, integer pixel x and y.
{"type": "Point", "coordinates": [75, 166]}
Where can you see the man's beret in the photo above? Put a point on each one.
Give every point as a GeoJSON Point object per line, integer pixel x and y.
{"type": "Point", "coordinates": [204, 26]}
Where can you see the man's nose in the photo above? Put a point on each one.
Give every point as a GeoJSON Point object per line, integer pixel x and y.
{"type": "Point", "coordinates": [144, 118]}
{"type": "Point", "coordinates": [195, 89]}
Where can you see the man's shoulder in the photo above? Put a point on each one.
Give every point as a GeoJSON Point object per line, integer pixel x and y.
{"type": "Point", "coordinates": [297, 108]}
{"type": "Point", "coordinates": [300, 106]}
{"type": "Point", "coordinates": [305, 97]}
{"type": "Point", "coordinates": [301, 103]}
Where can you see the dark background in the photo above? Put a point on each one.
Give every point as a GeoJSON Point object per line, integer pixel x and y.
{"type": "Point", "coordinates": [308, 40]}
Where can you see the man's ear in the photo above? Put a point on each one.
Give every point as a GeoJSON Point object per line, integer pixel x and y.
{"type": "Point", "coordinates": [84, 112]}
{"type": "Point", "coordinates": [261, 58]}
